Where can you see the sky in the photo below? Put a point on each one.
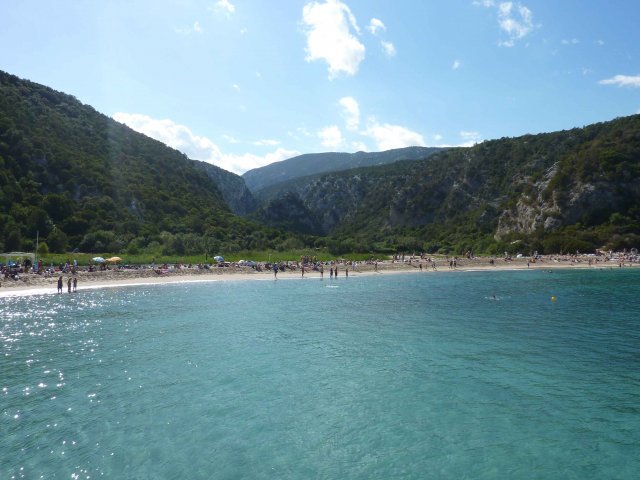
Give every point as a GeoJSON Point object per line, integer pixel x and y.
{"type": "Point", "coordinates": [244, 83]}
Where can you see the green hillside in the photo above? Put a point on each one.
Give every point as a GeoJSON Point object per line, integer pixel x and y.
{"type": "Point", "coordinates": [83, 181]}
{"type": "Point", "coordinates": [564, 191]}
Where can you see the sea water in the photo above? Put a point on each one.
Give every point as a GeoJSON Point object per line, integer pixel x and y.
{"type": "Point", "coordinates": [449, 375]}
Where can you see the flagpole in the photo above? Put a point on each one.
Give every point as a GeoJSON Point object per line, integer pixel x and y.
{"type": "Point", "coordinates": [35, 262]}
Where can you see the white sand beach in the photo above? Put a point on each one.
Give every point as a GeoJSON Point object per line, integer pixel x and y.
{"type": "Point", "coordinates": [34, 284]}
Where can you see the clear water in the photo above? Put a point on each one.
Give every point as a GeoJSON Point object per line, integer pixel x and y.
{"type": "Point", "coordinates": [391, 376]}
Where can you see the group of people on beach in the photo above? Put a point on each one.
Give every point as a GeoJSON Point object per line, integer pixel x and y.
{"type": "Point", "coordinates": [71, 283]}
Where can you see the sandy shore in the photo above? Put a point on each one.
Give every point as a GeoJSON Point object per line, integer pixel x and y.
{"type": "Point", "coordinates": [33, 284]}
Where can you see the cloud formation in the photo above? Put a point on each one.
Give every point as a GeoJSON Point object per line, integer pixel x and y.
{"type": "Point", "coordinates": [388, 136]}
{"type": "Point", "coordinates": [350, 112]}
{"type": "Point", "coordinates": [470, 138]}
{"type": "Point", "coordinates": [196, 28]}
{"type": "Point", "coordinates": [225, 6]}
{"type": "Point", "coordinates": [375, 25]}
{"type": "Point", "coordinates": [331, 137]}
{"type": "Point", "coordinates": [196, 147]}
{"type": "Point", "coordinates": [388, 48]}
{"type": "Point", "coordinates": [622, 81]}
{"type": "Point", "coordinates": [514, 19]}
{"type": "Point", "coordinates": [329, 37]}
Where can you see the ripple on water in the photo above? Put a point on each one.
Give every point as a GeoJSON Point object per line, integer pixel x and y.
{"type": "Point", "coordinates": [382, 377]}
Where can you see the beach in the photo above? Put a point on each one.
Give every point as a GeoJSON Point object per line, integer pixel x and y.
{"type": "Point", "coordinates": [36, 284]}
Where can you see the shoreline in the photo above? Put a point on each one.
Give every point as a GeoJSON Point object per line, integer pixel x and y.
{"type": "Point", "coordinates": [34, 284]}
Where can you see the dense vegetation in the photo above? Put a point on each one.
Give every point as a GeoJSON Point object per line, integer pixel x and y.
{"type": "Point", "coordinates": [563, 191]}
{"type": "Point", "coordinates": [83, 181]}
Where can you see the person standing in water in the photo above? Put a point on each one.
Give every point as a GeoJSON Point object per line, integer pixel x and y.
{"type": "Point", "coordinates": [75, 284]}
{"type": "Point", "coordinates": [275, 271]}
{"type": "Point", "coordinates": [69, 285]}
{"type": "Point", "coordinates": [60, 284]}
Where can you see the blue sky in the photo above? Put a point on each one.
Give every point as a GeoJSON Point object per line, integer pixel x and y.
{"type": "Point", "coordinates": [243, 83]}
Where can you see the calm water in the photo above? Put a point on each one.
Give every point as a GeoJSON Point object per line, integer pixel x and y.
{"type": "Point", "coordinates": [404, 376]}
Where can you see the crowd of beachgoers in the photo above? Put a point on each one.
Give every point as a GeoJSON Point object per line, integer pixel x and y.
{"type": "Point", "coordinates": [70, 273]}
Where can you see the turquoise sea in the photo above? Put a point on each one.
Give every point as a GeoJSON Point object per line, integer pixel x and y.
{"type": "Point", "coordinates": [409, 376]}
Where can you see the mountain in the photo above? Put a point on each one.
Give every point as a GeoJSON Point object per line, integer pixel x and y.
{"type": "Point", "coordinates": [563, 191]}
{"type": "Point", "coordinates": [232, 187]}
{"type": "Point", "coordinates": [313, 163]}
{"type": "Point", "coordinates": [79, 179]}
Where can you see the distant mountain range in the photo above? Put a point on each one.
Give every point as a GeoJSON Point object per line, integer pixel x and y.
{"type": "Point", "coordinates": [80, 180]}
{"type": "Point", "coordinates": [314, 163]}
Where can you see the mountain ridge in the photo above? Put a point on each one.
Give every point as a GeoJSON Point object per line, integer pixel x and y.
{"type": "Point", "coordinates": [315, 163]}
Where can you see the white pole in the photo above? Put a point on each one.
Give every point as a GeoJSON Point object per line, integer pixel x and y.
{"type": "Point", "coordinates": [35, 260]}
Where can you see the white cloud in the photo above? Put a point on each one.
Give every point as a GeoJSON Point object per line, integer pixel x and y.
{"type": "Point", "coordinates": [599, 42]}
{"type": "Point", "coordinates": [224, 6]}
{"type": "Point", "coordinates": [196, 147]}
{"type": "Point", "coordinates": [329, 37]}
{"type": "Point", "coordinates": [456, 64]}
{"type": "Point", "coordinates": [622, 81]}
{"type": "Point", "coordinates": [389, 136]}
{"type": "Point", "coordinates": [470, 138]}
{"type": "Point", "coordinates": [389, 49]}
{"type": "Point", "coordinates": [375, 25]}
{"type": "Point", "coordinates": [241, 163]}
{"type": "Point", "coordinates": [236, 87]}
{"type": "Point", "coordinates": [573, 41]}
{"type": "Point", "coordinates": [515, 20]}
{"type": "Point", "coordinates": [359, 147]}
{"type": "Point", "coordinates": [266, 143]}
{"type": "Point", "coordinates": [437, 137]}
{"type": "Point", "coordinates": [229, 138]}
{"type": "Point", "coordinates": [331, 137]}
{"type": "Point", "coordinates": [196, 28]}
{"type": "Point", "coordinates": [351, 112]}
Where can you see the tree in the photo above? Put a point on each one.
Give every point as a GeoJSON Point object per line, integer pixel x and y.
{"type": "Point", "coordinates": [58, 241]}
{"type": "Point", "coordinates": [13, 242]}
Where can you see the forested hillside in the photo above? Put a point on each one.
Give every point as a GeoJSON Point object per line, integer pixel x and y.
{"type": "Point", "coordinates": [83, 181]}
{"type": "Point", "coordinates": [564, 191]}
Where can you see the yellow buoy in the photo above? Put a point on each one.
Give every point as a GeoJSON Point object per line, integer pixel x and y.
{"type": "Point", "coordinates": [553, 298]}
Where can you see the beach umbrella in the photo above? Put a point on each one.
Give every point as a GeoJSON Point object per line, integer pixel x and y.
{"type": "Point", "coordinates": [218, 258]}
{"type": "Point", "coordinates": [113, 260]}
{"type": "Point", "coordinates": [97, 259]}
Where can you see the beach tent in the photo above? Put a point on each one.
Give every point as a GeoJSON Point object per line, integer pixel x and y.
{"type": "Point", "coordinates": [17, 257]}
{"type": "Point", "coordinates": [218, 258]}
{"type": "Point", "coordinates": [97, 259]}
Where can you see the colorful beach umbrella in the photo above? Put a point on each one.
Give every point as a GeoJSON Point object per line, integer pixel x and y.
{"type": "Point", "coordinates": [114, 260]}
{"type": "Point", "coordinates": [97, 259]}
